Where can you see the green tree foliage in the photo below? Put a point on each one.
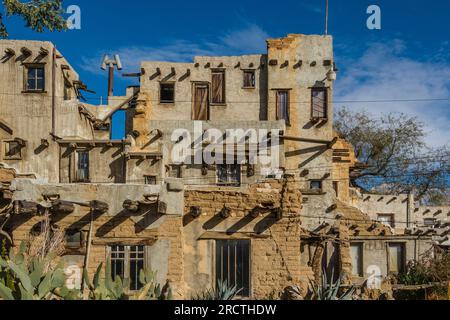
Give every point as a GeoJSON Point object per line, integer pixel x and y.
{"type": "Point", "coordinates": [397, 158]}
{"type": "Point", "coordinates": [39, 15]}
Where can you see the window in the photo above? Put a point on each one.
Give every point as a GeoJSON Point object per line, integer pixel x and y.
{"type": "Point", "coordinates": [336, 187]}
{"type": "Point", "coordinates": [316, 185]}
{"type": "Point", "coordinates": [249, 79]}
{"type": "Point", "coordinates": [126, 263]}
{"type": "Point", "coordinates": [175, 171]}
{"type": "Point", "coordinates": [218, 87]}
{"type": "Point", "coordinates": [13, 150]}
{"type": "Point", "coordinates": [229, 174]}
{"type": "Point", "coordinates": [233, 264]}
{"type": "Point", "coordinates": [73, 239]}
{"type": "Point", "coordinates": [82, 166]}
{"type": "Point", "coordinates": [283, 106]}
{"type": "Point", "coordinates": [150, 180]}
{"type": "Point", "coordinates": [387, 220]}
{"type": "Point", "coordinates": [319, 103]}
{"type": "Point", "coordinates": [430, 222]}
{"type": "Point", "coordinates": [396, 258]}
{"type": "Point", "coordinates": [167, 92]}
{"type": "Point", "coordinates": [356, 252]}
{"type": "Point", "coordinates": [67, 92]}
{"type": "Point", "coordinates": [35, 77]}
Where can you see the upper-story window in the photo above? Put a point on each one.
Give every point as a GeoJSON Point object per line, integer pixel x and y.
{"type": "Point", "coordinates": [218, 87]}
{"type": "Point", "coordinates": [229, 174]}
{"type": "Point", "coordinates": [80, 171]}
{"type": "Point", "coordinates": [283, 106]}
{"type": "Point", "coordinates": [12, 150]}
{"type": "Point", "coordinates": [387, 219]}
{"type": "Point", "coordinates": [249, 79]}
{"type": "Point", "coordinates": [167, 93]}
{"type": "Point", "coordinates": [35, 77]}
{"type": "Point", "coordinates": [319, 103]}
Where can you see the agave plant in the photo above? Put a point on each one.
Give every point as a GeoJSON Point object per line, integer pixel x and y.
{"type": "Point", "coordinates": [108, 289]}
{"type": "Point", "coordinates": [33, 280]}
{"type": "Point", "coordinates": [330, 289]}
{"type": "Point", "coordinates": [222, 292]}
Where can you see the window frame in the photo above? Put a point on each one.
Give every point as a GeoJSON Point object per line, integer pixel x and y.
{"type": "Point", "coordinates": [288, 105]}
{"type": "Point", "coordinates": [228, 184]}
{"type": "Point", "coordinates": [224, 88]}
{"type": "Point", "coordinates": [146, 181]}
{"type": "Point", "coordinates": [404, 255]}
{"type": "Point", "coordinates": [36, 66]}
{"type": "Point", "coordinates": [253, 72]}
{"type": "Point", "coordinates": [74, 169]}
{"type": "Point", "coordinates": [216, 263]}
{"type": "Point", "coordinates": [384, 215]}
{"type": "Point", "coordinates": [127, 261]}
{"type": "Point", "coordinates": [316, 181]}
{"type": "Point", "coordinates": [18, 156]}
{"type": "Point", "coordinates": [326, 103]}
{"type": "Point", "coordinates": [360, 246]}
{"type": "Point", "coordinates": [161, 84]}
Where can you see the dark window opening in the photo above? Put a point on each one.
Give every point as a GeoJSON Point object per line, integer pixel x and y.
{"type": "Point", "coordinates": [127, 263]}
{"type": "Point", "coordinates": [73, 239]}
{"type": "Point", "coordinates": [316, 185]}
{"type": "Point", "coordinates": [167, 93]}
{"type": "Point", "coordinates": [283, 106]}
{"type": "Point", "coordinates": [249, 79]}
{"type": "Point", "coordinates": [13, 150]}
{"type": "Point", "coordinates": [151, 180]}
{"type": "Point", "coordinates": [218, 87]}
{"type": "Point", "coordinates": [336, 188]}
{"type": "Point", "coordinates": [67, 92]}
{"type": "Point", "coordinates": [233, 264]}
{"type": "Point", "coordinates": [319, 103]}
{"type": "Point", "coordinates": [356, 252]}
{"type": "Point", "coordinates": [35, 78]}
{"type": "Point", "coordinates": [229, 174]}
{"type": "Point", "coordinates": [82, 169]}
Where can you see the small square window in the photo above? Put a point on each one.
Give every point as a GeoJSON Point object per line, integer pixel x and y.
{"type": "Point", "coordinates": [167, 92]}
{"type": "Point", "coordinates": [35, 77]}
{"type": "Point", "coordinates": [73, 239]}
{"type": "Point", "coordinates": [151, 180]}
{"type": "Point", "coordinates": [12, 150]}
{"type": "Point", "coordinates": [387, 219]}
{"type": "Point", "coordinates": [430, 222]}
{"type": "Point", "coordinates": [316, 185]}
{"type": "Point", "coordinates": [249, 79]}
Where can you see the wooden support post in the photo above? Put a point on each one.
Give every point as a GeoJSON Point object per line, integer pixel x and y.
{"type": "Point", "coordinates": [88, 253]}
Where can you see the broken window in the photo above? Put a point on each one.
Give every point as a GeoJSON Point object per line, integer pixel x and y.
{"type": "Point", "coordinates": [283, 106]}
{"type": "Point", "coordinates": [127, 262]}
{"type": "Point", "coordinates": [315, 185]}
{"type": "Point", "coordinates": [319, 103]}
{"type": "Point", "coordinates": [218, 87]}
{"type": "Point", "coordinates": [229, 174]}
{"type": "Point", "coordinates": [167, 92]}
{"type": "Point", "coordinates": [233, 264]}
{"type": "Point", "coordinates": [35, 77]}
{"type": "Point", "coordinates": [151, 180]}
{"type": "Point", "coordinates": [249, 79]}
{"type": "Point", "coordinates": [356, 252]}
{"type": "Point", "coordinates": [396, 258]}
{"type": "Point", "coordinates": [82, 166]}
{"type": "Point", "coordinates": [13, 150]}
{"type": "Point", "coordinates": [387, 220]}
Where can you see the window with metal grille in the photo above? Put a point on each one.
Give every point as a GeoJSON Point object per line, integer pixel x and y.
{"type": "Point", "coordinates": [218, 87]}
{"type": "Point", "coordinates": [249, 79]}
{"type": "Point", "coordinates": [167, 92]}
{"type": "Point", "coordinates": [233, 264]}
{"type": "Point", "coordinates": [82, 169]}
{"type": "Point", "coordinates": [319, 103]}
{"type": "Point", "coordinates": [229, 174]}
{"type": "Point", "coordinates": [283, 106]}
{"type": "Point", "coordinates": [127, 262]}
{"type": "Point", "coordinates": [35, 77]}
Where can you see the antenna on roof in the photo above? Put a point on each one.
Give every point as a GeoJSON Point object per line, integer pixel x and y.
{"type": "Point", "coordinates": [326, 18]}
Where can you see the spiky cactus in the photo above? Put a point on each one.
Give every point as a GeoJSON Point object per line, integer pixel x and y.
{"type": "Point", "coordinates": [222, 292]}
{"type": "Point", "coordinates": [329, 289]}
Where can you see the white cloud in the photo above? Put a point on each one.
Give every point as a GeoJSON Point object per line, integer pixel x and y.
{"type": "Point", "coordinates": [249, 40]}
{"type": "Point", "coordinates": [384, 73]}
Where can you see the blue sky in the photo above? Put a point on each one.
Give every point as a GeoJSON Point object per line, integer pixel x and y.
{"type": "Point", "coordinates": [409, 58]}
